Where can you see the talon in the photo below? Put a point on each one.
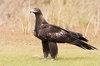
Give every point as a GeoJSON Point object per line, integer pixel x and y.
{"type": "Point", "coordinates": [52, 59]}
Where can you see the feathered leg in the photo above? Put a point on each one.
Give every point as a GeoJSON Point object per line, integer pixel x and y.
{"type": "Point", "coordinates": [45, 49]}
{"type": "Point", "coordinates": [53, 49]}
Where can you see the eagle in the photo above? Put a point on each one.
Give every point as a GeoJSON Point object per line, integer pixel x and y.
{"type": "Point", "coordinates": [50, 35]}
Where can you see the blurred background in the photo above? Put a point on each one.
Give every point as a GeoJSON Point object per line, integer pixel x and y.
{"type": "Point", "coordinates": [81, 16]}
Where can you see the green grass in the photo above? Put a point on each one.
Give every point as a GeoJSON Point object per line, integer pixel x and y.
{"type": "Point", "coordinates": [28, 52]}
{"type": "Point", "coordinates": [65, 59]}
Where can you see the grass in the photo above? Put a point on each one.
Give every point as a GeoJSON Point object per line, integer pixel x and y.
{"type": "Point", "coordinates": [69, 58]}
{"type": "Point", "coordinates": [64, 59]}
{"type": "Point", "coordinates": [28, 61]}
{"type": "Point", "coordinates": [18, 51]}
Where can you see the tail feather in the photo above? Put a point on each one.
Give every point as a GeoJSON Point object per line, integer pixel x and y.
{"type": "Point", "coordinates": [84, 39]}
{"type": "Point", "coordinates": [84, 45]}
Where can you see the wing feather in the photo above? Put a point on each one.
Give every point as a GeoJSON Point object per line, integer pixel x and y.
{"type": "Point", "coordinates": [54, 33]}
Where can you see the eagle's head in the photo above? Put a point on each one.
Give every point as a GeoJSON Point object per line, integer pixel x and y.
{"type": "Point", "coordinates": [35, 11]}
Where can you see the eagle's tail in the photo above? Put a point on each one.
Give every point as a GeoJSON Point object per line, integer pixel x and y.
{"type": "Point", "coordinates": [83, 45]}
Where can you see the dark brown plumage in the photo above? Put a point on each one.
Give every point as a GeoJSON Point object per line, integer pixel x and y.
{"type": "Point", "coordinates": [48, 47]}
{"type": "Point", "coordinates": [51, 35]}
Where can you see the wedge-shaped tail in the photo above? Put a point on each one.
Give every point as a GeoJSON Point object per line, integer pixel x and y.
{"type": "Point", "coordinates": [84, 45]}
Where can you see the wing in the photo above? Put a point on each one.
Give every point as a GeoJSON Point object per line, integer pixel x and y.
{"type": "Point", "coordinates": [78, 35]}
{"type": "Point", "coordinates": [56, 34]}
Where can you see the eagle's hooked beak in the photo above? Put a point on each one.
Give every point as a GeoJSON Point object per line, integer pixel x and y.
{"type": "Point", "coordinates": [33, 10]}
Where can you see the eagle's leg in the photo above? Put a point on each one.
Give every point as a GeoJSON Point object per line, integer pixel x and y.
{"type": "Point", "coordinates": [45, 49]}
{"type": "Point", "coordinates": [53, 49]}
